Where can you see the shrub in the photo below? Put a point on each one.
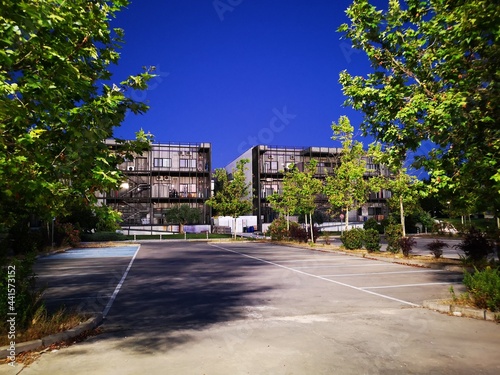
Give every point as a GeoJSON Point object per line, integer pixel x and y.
{"type": "Point", "coordinates": [371, 223]}
{"type": "Point", "coordinates": [297, 233]}
{"type": "Point", "coordinates": [371, 240]}
{"type": "Point", "coordinates": [393, 235]}
{"type": "Point", "coordinates": [484, 288]}
{"type": "Point", "coordinates": [277, 230]}
{"type": "Point", "coordinates": [436, 248]}
{"type": "Point", "coordinates": [316, 233]}
{"type": "Point", "coordinates": [353, 239]}
{"type": "Point", "coordinates": [28, 298]}
{"type": "Point", "coordinates": [103, 237]}
{"type": "Point", "coordinates": [406, 244]}
{"type": "Point", "coordinates": [68, 234]}
{"type": "Point", "coordinates": [475, 245]}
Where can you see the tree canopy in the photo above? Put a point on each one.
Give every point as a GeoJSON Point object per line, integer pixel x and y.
{"type": "Point", "coordinates": [231, 197]}
{"type": "Point", "coordinates": [434, 80]}
{"type": "Point", "coordinates": [57, 105]}
{"type": "Point", "coordinates": [348, 188]}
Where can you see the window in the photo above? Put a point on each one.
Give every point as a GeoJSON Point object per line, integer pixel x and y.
{"type": "Point", "coordinates": [141, 164]}
{"type": "Point", "coordinates": [271, 166]}
{"type": "Point", "coordinates": [162, 163]}
{"type": "Point", "coordinates": [187, 163]}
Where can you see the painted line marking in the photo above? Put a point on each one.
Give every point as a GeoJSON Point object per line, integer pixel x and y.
{"type": "Point", "coordinates": [318, 277]}
{"type": "Point", "coordinates": [405, 285]}
{"type": "Point", "coordinates": [319, 260]}
{"type": "Point", "coordinates": [379, 273]}
{"type": "Point", "coordinates": [118, 287]}
{"type": "Point", "coordinates": [350, 265]}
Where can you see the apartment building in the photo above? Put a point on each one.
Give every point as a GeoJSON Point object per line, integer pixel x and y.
{"type": "Point", "coordinates": [168, 175]}
{"type": "Point", "coordinates": [267, 167]}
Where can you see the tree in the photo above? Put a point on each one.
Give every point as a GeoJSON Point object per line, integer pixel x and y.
{"type": "Point", "coordinates": [183, 215]}
{"type": "Point", "coordinates": [405, 191]}
{"type": "Point", "coordinates": [306, 187]}
{"type": "Point", "coordinates": [286, 201]}
{"type": "Point", "coordinates": [348, 188]}
{"type": "Point", "coordinates": [56, 110]}
{"type": "Point", "coordinates": [434, 81]}
{"type": "Point", "coordinates": [231, 197]}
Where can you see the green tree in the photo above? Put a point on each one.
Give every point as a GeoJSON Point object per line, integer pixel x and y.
{"type": "Point", "coordinates": [435, 81]}
{"type": "Point", "coordinates": [183, 215]}
{"type": "Point", "coordinates": [348, 188]}
{"type": "Point", "coordinates": [286, 202]}
{"type": "Point", "coordinates": [406, 191]}
{"type": "Point", "coordinates": [56, 110]}
{"type": "Point", "coordinates": [306, 187]}
{"type": "Point", "coordinates": [232, 196]}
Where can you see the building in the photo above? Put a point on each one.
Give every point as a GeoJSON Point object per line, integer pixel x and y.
{"type": "Point", "coordinates": [267, 166]}
{"type": "Point", "coordinates": [167, 175]}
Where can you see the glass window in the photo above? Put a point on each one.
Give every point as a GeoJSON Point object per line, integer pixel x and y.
{"type": "Point", "coordinates": [162, 162]}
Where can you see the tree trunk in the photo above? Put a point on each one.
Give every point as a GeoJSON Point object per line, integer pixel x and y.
{"type": "Point", "coordinates": [346, 219]}
{"type": "Point", "coordinates": [402, 215]}
{"type": "Point", "coordinates": [312, 229]}
{"type": "Point", "coordinates": [305, 222]}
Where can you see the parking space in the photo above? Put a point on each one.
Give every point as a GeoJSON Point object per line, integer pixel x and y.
{"type": "Point", "coordinates": [405, 284]}
{"type": "Point", "coordinates": [260, 308]}
{"type": "Point", "coordinates": [84, 280]}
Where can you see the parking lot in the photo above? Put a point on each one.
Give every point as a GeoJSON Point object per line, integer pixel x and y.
{"type": "Point", "coordinates": [259, 308]}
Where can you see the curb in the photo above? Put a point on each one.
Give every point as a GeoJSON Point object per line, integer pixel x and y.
{"type": "Point", "coordinates": [91, 323]}
{"type": "Point", "coordinates": [444, 306]}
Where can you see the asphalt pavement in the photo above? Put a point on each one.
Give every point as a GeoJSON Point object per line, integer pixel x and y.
{"type": "Point", "coordinates": [258, 308]}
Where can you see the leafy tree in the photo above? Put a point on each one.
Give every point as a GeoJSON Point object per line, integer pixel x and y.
{"type": "Point", "coordinates": [435, 80]}
{"type": "Point", "coordinates": [56, 109]}
{"type": "Point", "coordinates": [348, 188]}
{"type": "Point", "coordinates": [286, 202]}
{"type": "Point", "coordinates": [231, 197]}
{"type": "Point", "coordinates": [183, 215]}
{"type": "Point", "coordinates": [305, 187]}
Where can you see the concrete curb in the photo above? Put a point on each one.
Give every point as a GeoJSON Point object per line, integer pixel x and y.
{"type": "Point", "coordinates": [444, 306]}
{"type": "Point", "coordinates": [21, 347]}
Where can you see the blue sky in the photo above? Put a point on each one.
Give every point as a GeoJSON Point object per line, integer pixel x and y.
{"type": "Point", "coordinates": [237, 73]}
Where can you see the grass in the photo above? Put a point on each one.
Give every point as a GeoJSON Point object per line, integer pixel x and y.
{"type": "Point", "coordinates": [44, 324]}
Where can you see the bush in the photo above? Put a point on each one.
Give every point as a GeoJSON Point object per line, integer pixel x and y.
{"type": "Point", "coordinates": [353, 239]}
{"type": "Point", "coordinates": [393, 235]}
{"type": "Point", "coordinates": [406, 244]}
{"type": "Point", "coordinates": [316, 233]}
{"type": "Point", "coordinates": [475, 245]}
{"type": "Point", "coordinates": [103, 237]}
{"type": "Point", "coordinates": [436, 248]}
{"type": "Point", "coordinates": [371, 240]}
{"type": "Point", "coordinates": [484, 288]}
{"type": "Point", "coordinates": [297, 233]}
{"type": "Point", "coordinates": [277, 230]}
{"type": "Point", "coordinates": [28, 299]}
{"type": "Point", "coordinates": [371, 223]}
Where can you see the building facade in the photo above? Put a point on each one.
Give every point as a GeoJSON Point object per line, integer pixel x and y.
{"type": "Point", "coordinates": [268, 164]}
{"type": "Point", "coordinates": [168, 175]}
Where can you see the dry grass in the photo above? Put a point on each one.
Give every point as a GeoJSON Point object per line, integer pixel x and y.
{"type": "Point", "coordinates": [44, 324]}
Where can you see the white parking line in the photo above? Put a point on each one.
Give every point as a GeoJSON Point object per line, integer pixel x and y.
{"type": "Point", "coordinates": [319, 260]}
{"type": "Point", "coordinates": [351, 265]}
{"type": "Point", "coordinates": [317, 277]}
{"type": "Point", "coordinates": [379, 273]}
{"type": "Point", "coordinates": [404, 285]}
{"type": "Point", "coordinates": [118, 287]}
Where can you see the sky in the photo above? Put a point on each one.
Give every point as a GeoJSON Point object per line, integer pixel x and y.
{"type": "Point", "coordinates": [236, 73]}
